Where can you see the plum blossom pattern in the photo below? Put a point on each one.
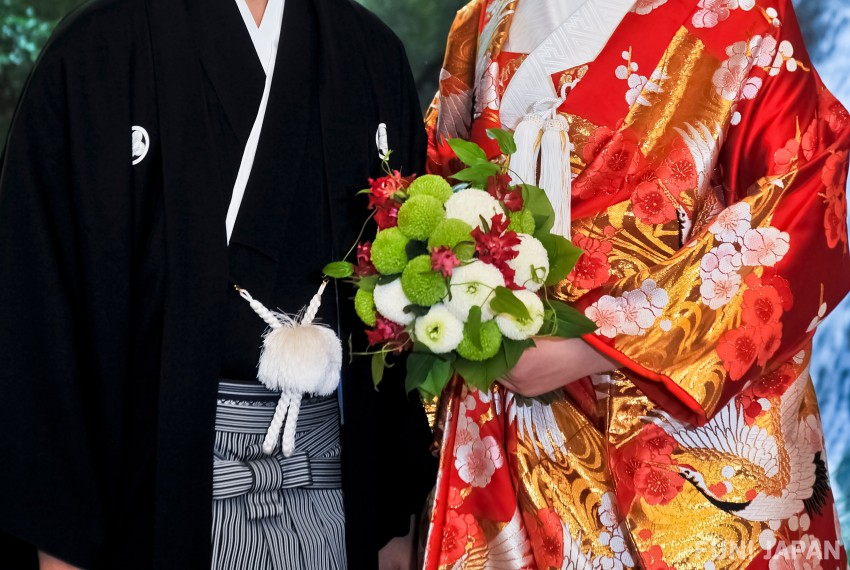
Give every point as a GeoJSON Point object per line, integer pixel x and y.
{"type": "Point", "coordinates": [764, 246]}
{"type": "Point", "coordinates": [477, 460]}
{"type": "Point", "coordinates": [741, 246]}
{"type": "Point", "coordinates": [712, 12]}
{"type": "Point", "coordinates": [834, 177]}
{"type": "Point", "coordinates": [732, 80]}
{"type": "Point", "coordinates": [644, 7]}
{"type": "Point", "coordinates": [652, 205]}
{"type": "Point", "coordinates": [593, 267]}
{"type": "Point", "coordinates": [803, 554]}
{"type": "Point", "coordinates": [638, 84]}
{"type": "Point", "coordinates": [631, 314]}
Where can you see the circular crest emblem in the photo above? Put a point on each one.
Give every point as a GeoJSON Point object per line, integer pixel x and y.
{"type": "Point", "coordinates": [141, 144]}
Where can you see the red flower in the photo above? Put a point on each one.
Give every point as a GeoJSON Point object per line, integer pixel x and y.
{"type": "Point", "coordinates": [653, 559]}
{"type": "Point", "coordinates": [500, 188]}
{"type": "Point", "coordinates": [834, 174]}
{"type": "Point", "coordinates": [833, 112]}
{"type": "Point", "coordinates": [656, 441]}
{"type": "Point", "coordinates": [388, 186]}
{"type": "Point", "coordinates": [547, 537]}
{"type": "Point", "coordinates": [444, 260]}
{"type": "Point", "coordinates": [738, 349]}
{"type": "Point", "coordinates": [386, 331]}
{"type": "Point", "coordinates": [784, 158]}
{"type": "Point", "coordinates": [497, 246]}
{"type": "Point", "coordinates": [762, 304]}
{"type": "Point", "coordinates": [457, 533]}
{"type": "Point", "coordinates": [382, 199]}
{"type": "Point", "coordinates": [386, 212]}
{"type": "Point", "coordinates": [611, 158]}
{"type": "Point", "coordinates": [773, 384]}
{"type": "Point", "coordinates": [752, 408]}
{"type": "Point", "coordinates": [592, 268]}
{"type": "Point", "coordinates": [835, 220]}
{"type": "Point", "coordinates": [769, 278]}
{"type": "Point", "coordinates": [597, 141]}
{"type": "Point", "coordinates": [678, 171]}
{"type": "Point", "coordinates": [771, 338]}
{"type": "Point", "coordinates": [657, 485]}
{"type": "Point", "coordinates": [455, 499]}
{"type": "Point", "coordinates": [364, 265]}
{"type": "Point", "coordinates": [810, 140]}
{"type": "Point", "coordinates": [625, 463]}
{"type": "Point", "coordinates": [651, 205]}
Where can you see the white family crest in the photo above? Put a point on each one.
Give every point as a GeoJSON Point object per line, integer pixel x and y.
{"type": "Point", "coordinates": [141, 144]}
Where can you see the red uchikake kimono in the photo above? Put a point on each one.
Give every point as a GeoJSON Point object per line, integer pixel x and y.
{"type": "Point", "coordinates": [710, 165]}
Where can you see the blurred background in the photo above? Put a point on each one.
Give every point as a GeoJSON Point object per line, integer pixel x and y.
{"type": "Point", "coordinates": [423, 24]}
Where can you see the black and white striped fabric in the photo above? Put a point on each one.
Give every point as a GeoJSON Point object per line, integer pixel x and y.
{"type": "Point", "coordinates": [272, 512]}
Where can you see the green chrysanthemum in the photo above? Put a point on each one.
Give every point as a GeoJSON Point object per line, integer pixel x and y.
{"type": "Point", "coordinates": [449, 233]}
{"type": "Point", "coordinates": [364, 306]}
{"type": "Point", "coordinates": [389, 251]}
{"type": "Point", "coordinates": [418, 217]}
{"type": "Point", "coordinates": [522, 222]}
{"type": "Point", "coordinates": [431, 185]}
{"type": "Point", "coordinates": [422, 285]}
{"type": "Point", "coordinates": [491, 342]}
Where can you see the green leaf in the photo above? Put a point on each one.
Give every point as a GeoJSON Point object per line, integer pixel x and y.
{"type": "Point", "coordinates": [478, 174]}
{"type": "Point", "coordinates": [417, 310]}
{"type": "Point", "coordinates": [367, 283]}
{"type": "Point", "coordinates": [563, 256]}
{"type": "Point", "coordinates": [415, 248]}
{"type": "Point", "coordinates": [364, 191]}
{"type": "Point", "coordinates": [472, 328]}
{"type": "Point", "coordinates": [469, 153]}
{"type": "Point", "coordinates": [563, 321]}
{"type": "Point", "coordinates": [505, 301]}
{"type": "Point", "coordinates": [339, 269]}
{"type": "Point", "coordinates": [536, 201]}
{"type": "Point", "coordinates": [387, 279]}
{"type": "Point", "coordinates": [506, 141]}
{"type": "Point", "coordinates": [482, 374]}
{"type": "Point", "coordinates": [464, 250]}
{"type": "Point", "coordinates": [514, 350]}
{"type": "Point", "coordinates": [379, 363]}
{"type": "Point", "coordinates": [419, 364]}
{"type": "Point", "coordinates": [438, 378]}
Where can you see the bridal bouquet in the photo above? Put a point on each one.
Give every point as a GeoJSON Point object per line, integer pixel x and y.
{"type": "Point", "coordinates": [458, 275]}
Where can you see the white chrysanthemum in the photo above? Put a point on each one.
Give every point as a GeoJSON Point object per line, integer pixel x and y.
{"type": "Point", "coordinates": [473, 285]}
{"type": "Point", "coordinates": [439, 330]}
{"type": "Point", "coordinates": [470, 205]}
{"type": "Point", "coordinates": [531, 263]}
{"type": "Point", "coordinates": [390, 301]}
{"type": "Point", "coordinates": [521, 330]}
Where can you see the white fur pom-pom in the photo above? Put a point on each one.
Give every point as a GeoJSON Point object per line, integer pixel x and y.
{"type": "Point", "coordinates": [301, 358]}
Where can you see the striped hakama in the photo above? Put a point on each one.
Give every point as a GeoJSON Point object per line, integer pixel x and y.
{"type": "Point", "coordinates": [271, 512]}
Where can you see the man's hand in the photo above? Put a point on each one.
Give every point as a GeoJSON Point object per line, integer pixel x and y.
{"type": "Point", "coordinates": [400, 552]}
{"type": "Point", "coordinates": [47, 562]}
{"type": "Point", "coordinates": [554, 363]}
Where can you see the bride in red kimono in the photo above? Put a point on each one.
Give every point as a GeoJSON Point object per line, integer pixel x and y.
{"type": "Point", "coordinates": [693, 153]}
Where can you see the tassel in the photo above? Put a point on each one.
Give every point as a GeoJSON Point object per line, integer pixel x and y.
{"type": "Point", "coordinates": [524, 161]}
{"type": "Point", "coordinates": [298, 357]}
{"type": "Point", "coordinates": [555, 173]}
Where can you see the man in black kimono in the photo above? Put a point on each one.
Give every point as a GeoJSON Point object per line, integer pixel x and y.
{"type": "Point", "coordinates": [118, 318]}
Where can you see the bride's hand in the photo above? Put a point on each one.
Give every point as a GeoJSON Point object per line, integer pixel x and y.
{"type": "Point", "coordinates": [554, 363]}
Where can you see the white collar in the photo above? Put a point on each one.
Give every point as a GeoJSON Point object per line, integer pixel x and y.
{"type": "Point", "coordinates": [266, 36]}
